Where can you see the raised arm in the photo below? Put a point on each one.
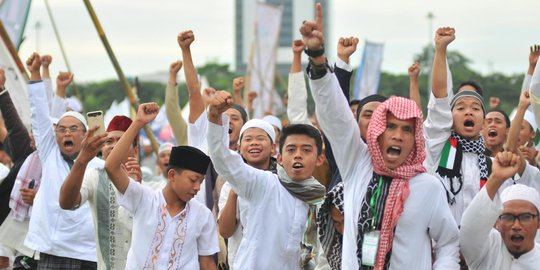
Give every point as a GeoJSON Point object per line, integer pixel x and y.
{"type": "Point", "coordinates": [343, 70]}
{"type": "Point", "coordinates": [59, 103]}
{"type": "Point", "coordinates": [172, 106]}
{"type": "Point", "coordinates": [443, 37]}
{"type": "Point", "coordinates": [248, 182]}
{"type": "Point", "coordinates": [238, 85]}
{"type": "Point", "coordinates": [515, 126]}
{"type": "Point", "coordinates": [414, 87]}
{"type": "Point", "coordinates": [196, 104]}
{"type": "Point", "coordinates": [17, 134]}
{"type": "Point", "coordinates": [70, 192]}
{"type": "Point", "coordinates": [297, 90]}
{"type": "Point", "coordinates": [113, 165]}
{"type": "Point", "coordinates": [478, 219]}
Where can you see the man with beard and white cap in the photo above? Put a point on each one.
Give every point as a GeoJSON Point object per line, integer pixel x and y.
{"type": "Point", "coordinates": [514, 211]}
{"type": "Point", "coordinates": [63, 238]}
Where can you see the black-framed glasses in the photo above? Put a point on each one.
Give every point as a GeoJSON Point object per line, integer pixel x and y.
{"type": "Point", "coordinates": [524, 218]}
{"type": "Point", "coordinates": [71, 129]}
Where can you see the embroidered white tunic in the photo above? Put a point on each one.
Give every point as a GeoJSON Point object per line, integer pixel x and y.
{"type": "Point", "coordinates": [425, 215]}
{"type": "Point", "coordinates": [160, 241]}
{"type": "Point", "coordinates": [482, 245]}
{"type": "Point", "coordinates": [276, 220]}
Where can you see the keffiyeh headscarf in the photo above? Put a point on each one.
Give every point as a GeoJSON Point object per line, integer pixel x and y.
{"type": "Point", "coordinates": [328, 235]}
{"type": "Point", "coordinates": [403, 109]}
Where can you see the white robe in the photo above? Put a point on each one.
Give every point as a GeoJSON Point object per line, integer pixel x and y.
{"type": "Point", "coordinates": [426, 214]}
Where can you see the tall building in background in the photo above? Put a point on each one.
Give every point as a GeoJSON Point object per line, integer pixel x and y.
{"type": "Point", "coordinates": [294, 12]}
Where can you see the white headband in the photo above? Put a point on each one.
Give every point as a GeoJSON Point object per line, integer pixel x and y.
{"type": "Point", "coordinates": [258, 123]}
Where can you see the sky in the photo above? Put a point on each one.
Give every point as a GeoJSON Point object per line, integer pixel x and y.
{"type": "Point", "coordinates": [494, 34]}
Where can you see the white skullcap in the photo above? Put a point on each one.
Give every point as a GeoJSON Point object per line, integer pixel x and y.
{"type": "Point", "coordinates": [529, 117]}
{"type": "Point", "coordinates": [74, 104]}
{"type": "Point", "coordinates": [258, 123]}
{"type": "Point", "coordinates": [165, 147]}
{"type": "Point", "coordinates": [274, 121]}
{"type": "Point", "coordinates": [521, 192]}
{"type": "Point", "coordinates": [76, 115]}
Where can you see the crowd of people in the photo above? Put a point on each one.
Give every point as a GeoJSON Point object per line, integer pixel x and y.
{"type": "Point", "coordinates": [358, 184]}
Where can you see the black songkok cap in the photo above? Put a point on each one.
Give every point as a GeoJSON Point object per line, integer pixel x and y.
{"type": "Point", "coordinates": [190, 158]}
{"type": "Point", "coordinates": [368, 99]}
{"type": "Point", "coordinates": [241, 110]}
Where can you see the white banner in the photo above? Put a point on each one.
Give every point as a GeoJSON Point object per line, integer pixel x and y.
{"type": "Point", "coordinates": [13, 14]}
{"type": "Point", "coordinates": [15, 83]}
{"type": "Point", "coordinates": [262, 66]}
{"type": "Point", "coordinates": [369, 71]}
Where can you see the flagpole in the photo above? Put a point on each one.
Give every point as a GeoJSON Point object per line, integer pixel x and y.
{"type": "Point", "coordinates": [128, 90]}
{"type": "Point", "coordinates": [11, 48]}
{"type": "Point", "coordinates": [57, 34]}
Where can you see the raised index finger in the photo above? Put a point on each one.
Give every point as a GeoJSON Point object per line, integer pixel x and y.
{"type": "Point", "coordinates": [319, 17]}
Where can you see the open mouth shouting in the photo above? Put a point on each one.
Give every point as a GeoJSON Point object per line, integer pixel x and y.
{"type": "Point", "coordinates": [393, 152]}
{"type": "Point", "coordinates": [492, 133]}
{"type": "Point", "coordinates": [68, 145]}
{"type": "Point", "coordinates": [297, 166]}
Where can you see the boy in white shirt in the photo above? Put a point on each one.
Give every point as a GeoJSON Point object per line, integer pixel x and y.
{"type": "Point", "coordinates": [170, 230]}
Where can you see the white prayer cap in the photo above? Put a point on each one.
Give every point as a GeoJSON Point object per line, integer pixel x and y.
{"type": "Point", "coordinates": [521, 192]}
{"type": "Point", "coordinates": [74, 104]}
{"type": "Point", "coordinates": [76, 115]}
{"type": "Point", "coordinates": [54, 120]}
{"type": "Point", "coordinates": [165, 147]}
{"type": "Point", "coordinates": [529, 117]}
{"type": "Point", "coordinates": [258, 123]}
{"type": "Point", "coordinates": [274, 121]}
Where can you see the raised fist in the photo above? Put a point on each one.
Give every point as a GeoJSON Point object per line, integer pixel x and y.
{"type": "Point", "coordinates": [175, 67]}
{"type": "Point", "coordinates": [298, 46]}
{"type": "Point", "coordinates": [346, 47]}
{"type": "Point", "coordinates": [238, 84]}
{"type": "Point", "coordinates": [494, 102]}
{"type": "Point", "coordinates": [533, 55]}
{"type": "Point", "coordinates": [147, 112]}
{"type": "Point", "coordinates": [33, 63]}
{"type": "Point", "coordinates": [64, 79]}
{"type": "Point", "coordinates": [414, 70]}
{"type": "Point", "coordinates": [185, 39]}
{"type": "Point", "coordinates": [444, 36]}
{"type": "Point", "coordinates": [46, 60]}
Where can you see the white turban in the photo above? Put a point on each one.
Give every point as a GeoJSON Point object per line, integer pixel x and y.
{"type": "Point", "coordinates": [258, 123]}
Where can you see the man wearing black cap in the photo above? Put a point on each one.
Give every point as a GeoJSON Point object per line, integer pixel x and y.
{"type": "Point", "coordinates": [170, 230]}
{"type": "Point", "coordinates": [365, 109]}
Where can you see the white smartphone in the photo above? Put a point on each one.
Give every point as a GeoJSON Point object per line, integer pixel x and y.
{"type": "Point", "coordinates": [96, 119]}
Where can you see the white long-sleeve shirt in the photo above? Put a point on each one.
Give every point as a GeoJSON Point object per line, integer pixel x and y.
{"type": "Point", "coordinates": [482, 245]}
{"type": "Point", "coordinates": [418, 224]}
{"type": "Point", "coordinates": [52, 230]}
{"type": "Point", "coordinates": [276, 219]}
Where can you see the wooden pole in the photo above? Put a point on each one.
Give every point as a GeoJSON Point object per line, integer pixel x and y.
{"type": "Point", "coordinates": [57, 34]}
{"type": "Point", "coordinates": [7, 41]}
{"type": "Point", "coordinates": [125, 84]}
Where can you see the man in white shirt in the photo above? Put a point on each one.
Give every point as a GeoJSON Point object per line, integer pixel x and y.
{"type": "Point", "coordinates": [170, 230]}
{"type": "Point", "coordinates": [112, 224]}
{"type": "Point", "coordinates": [386, 188]}
{"type": "Point", "coordinates": [64, 238]}
{"type": "Point", "coordinates": [513, 210]}
{"type": "Point", "coordinates": [280, 232]}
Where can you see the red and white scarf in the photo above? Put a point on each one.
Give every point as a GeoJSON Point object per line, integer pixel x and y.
{"type": "Point", "coordinates": [403, 109]}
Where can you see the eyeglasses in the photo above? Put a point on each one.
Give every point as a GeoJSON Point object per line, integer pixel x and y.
{"type": "Point", "coordinates": [72, 129]}
{"type": "Point", "coordinates": [524, 218]}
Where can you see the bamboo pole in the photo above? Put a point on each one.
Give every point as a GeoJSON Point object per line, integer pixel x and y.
{"type": "Point", "coordinates": [125, 84]}
{"type": "Point", "coordinates": [60, 44]}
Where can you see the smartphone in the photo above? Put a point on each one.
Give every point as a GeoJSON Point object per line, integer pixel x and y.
{"type": "Point", "coordinates": [96, 119]}
{"type": "Point", "coordinates": [32, 184]}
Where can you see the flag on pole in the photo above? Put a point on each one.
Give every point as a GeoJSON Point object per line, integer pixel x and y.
{"type": "Point", "coordinates": [15, 83]}
{"type": "Point", "coordinates": [13, 14]}
{"type": "Point", "coordinates": [369, 71]}
{"type": "Point", "coordinates": [262, 64]}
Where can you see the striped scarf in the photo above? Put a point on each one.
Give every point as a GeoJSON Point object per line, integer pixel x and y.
{"type": "Point", "coordinates": [311, 192]}
{"type": "Point", "coordinates": [403, 109]}
{"type": "Point", "coordinates": [329, 237]}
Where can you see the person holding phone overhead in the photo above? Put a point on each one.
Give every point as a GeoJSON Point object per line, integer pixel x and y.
{"type": "Point", "coordinates": [94, 186]}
